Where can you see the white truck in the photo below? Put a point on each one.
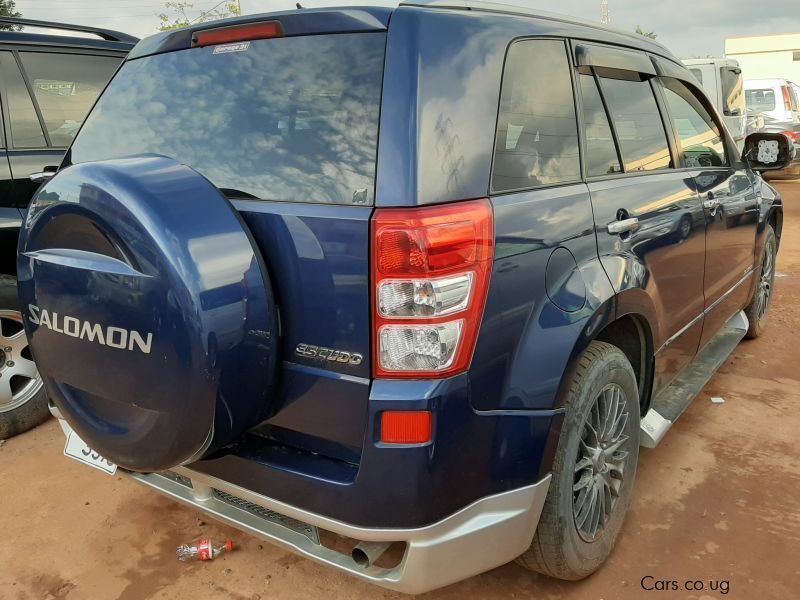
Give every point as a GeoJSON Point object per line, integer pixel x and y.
{"type": "Point", "coordinates": [722, 80]}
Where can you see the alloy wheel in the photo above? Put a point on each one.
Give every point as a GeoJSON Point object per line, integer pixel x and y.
{"type": "Point", "coordinates": [767, 278]}
{"type": "Point", "coordinates": [19, 378]}
{"type": "Point", "coordinates": [600, 463]}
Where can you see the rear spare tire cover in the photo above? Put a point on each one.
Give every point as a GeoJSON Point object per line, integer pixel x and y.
{"type": "Point", "coordinates": [149, 310]}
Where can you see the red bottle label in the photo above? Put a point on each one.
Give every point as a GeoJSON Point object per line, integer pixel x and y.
{"type": "Point", "coordinates": [204, 550]}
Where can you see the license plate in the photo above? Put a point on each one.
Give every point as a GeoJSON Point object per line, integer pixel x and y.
{"type": "Point", "coordinates": [76, 448]}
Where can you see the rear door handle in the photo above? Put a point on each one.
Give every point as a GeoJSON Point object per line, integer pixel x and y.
{"type": "Point", "coordinates": [623, 226]}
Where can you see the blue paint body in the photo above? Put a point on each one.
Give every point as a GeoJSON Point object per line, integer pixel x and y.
{"type": "Point", "coordinates": [306, 431]}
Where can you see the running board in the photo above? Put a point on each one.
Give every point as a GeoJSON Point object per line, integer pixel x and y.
{"type": "Point", "coordinates": [676, 398]}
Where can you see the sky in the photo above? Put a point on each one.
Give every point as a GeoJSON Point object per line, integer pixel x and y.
{"type": "Point", "coordinates": [687, 27]}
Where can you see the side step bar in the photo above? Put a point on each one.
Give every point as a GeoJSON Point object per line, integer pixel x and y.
{"type": "Point", "coordinates": [676, 398]}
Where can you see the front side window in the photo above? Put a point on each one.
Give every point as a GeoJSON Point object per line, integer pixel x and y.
{"type": "Point", "coordinates": [638, 124]}
{"type": "Point", "coordinates": [66, 86]}
{"type": "Point", "coordinates": [700, 137]}
{"type": "Point", "coordinates": [732, 91]}
{"type": "Point", "coordinates": [26, 132]}
{"type": "Point", "coordinates": [601, 151]}
{"type": "Point", "coordinates": [537, 132]}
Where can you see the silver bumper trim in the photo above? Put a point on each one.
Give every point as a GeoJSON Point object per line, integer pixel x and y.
{"type": "Point", "coordinates": [486, 534]}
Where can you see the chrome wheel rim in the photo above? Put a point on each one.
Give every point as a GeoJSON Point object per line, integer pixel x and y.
{"type": "Point", "coordinates": [19, 378]}
{"type": "Point", "coordinates": [766, 281]}
{"type": "Point", "coordinates": [600, 463]}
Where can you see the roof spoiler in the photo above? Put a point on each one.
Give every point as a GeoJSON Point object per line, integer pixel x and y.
{"type": "Point", "coordinates": [106, 34]}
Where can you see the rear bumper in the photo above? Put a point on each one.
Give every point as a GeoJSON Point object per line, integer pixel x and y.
{"type": "Point", "coordinates": [481, 536]}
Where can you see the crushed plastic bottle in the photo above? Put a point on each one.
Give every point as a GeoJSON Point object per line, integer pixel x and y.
{"type": "Point", "coordinates": [204, 550]}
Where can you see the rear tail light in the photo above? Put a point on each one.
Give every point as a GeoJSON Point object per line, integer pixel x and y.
{"type": "Point", "coordinates": [787, 99]}
{"type": "Point", "coordinates": [431, 271]}
{"type": "Point", "coordinates": [406, 427]}
{"type": "Point", "coordinates": [792, 135]}
{"type": "Point", "coordinates": [237, 33]}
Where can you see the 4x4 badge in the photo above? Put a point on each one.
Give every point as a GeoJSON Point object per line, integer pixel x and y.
{"type": "Point", "coordinates": [340, 356]}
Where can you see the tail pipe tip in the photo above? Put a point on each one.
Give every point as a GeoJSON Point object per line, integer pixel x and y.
{"type": "Point", "coordinates": [366, 553]}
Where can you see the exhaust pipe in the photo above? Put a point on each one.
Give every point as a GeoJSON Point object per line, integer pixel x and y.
{"type": "Point", "coordinates": [366, 553]}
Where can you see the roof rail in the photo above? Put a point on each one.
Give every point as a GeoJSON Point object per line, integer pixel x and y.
{"type": "Point", "coordinates": [106, 34]}
{"type": "Point", "coordinates": [523, 9]}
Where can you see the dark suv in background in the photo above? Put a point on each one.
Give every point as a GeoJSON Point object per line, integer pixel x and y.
{"type": "Point", "coordinates": [421, 278]}
{"type": "Point", "coordinates": [49, 83]}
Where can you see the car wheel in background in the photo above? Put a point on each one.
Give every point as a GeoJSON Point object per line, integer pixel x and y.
{"type": "Point", "coordinates": [593, 470]}
{"type": "Point", "coordinates": [23, 400]}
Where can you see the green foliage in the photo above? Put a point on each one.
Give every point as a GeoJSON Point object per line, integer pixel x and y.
{"type": "Point", "coordinates": [177, 17]}
{"type": "Point", "coordinates": [9, 9]}
{"type": "Point", "coordinates": [648, 34]}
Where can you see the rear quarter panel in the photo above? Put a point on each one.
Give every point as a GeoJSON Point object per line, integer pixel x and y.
{"type": "Point", "coordinates": [549, 297]}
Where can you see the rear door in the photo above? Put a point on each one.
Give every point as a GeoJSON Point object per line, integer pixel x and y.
{"type": "Point", "coordinates": [731, 207]}
{"type": "Point", "coordinates": [10, 216]}
{"type": "Point", "coordinates": [648, 216]}
{"type": "Point", "coordinates": [47, 96]}
{"type": "Point", "coordinates": [287, 130]}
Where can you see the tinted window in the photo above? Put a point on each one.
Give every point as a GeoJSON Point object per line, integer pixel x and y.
{"type": "Point", "coordinates": [637, 120]}
{"type": "Point", "coordinates": [698, 75]}
{"type": "Point", "coordinates": [291, 119]}
{"type": "Point", "coordinates": [601, 151]}
{"type": "Point", "coordinates": [537, 132]}
{"type": "Point", "coordinates": [700, 138]}
{"type": "Point", "coordinates": [66, 86]}
{"type": "Point", "coordinates": [760, 100]}
{"type": "Point", "coordinates": [732, 90]}
{"type": "Point", "coordinates": [26, 132]}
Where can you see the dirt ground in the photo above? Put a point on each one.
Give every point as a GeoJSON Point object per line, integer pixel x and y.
{"type": "Point", "coordinates": [716, 503]}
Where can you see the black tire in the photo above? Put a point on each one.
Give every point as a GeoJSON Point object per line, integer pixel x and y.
{"type": "Point", "coordinates": [758, 309]}
{"type": "Point", "coordinates": [33, 410]}
{"type": "Point", "coordinates": [560, 547]}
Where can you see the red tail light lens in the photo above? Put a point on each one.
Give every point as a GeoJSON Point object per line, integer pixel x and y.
{"type": "Point", "coordinates": [792, 135]}
{"type": "Point", "coordinates": [431, 270]}
{"type": "Point", "coordinates": [406, 427]}
{"type": "Point", "coordinates": [237, 33]}
{"type": "Point", "coordinates": [787, 99]}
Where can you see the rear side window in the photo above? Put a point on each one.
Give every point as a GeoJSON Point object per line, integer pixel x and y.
{"type": "Point", "coordinates": [638, 124]}
{"type": "Point", "coordinates": [732, 91]}
{"type": "Point", "coordinates": [66, 86]}
{"type": "Point", "coordinates": [760, 100]}
{"type": "Point", "coordinates": [601, 151]}
{"type": "Point", "coordinates": [26, 132]}
{"type": "Point", "coordinates": [285, 119]}
{"type": "Point", "coordinates": [700, 138]}
{"type": "Point", "coordinates": [537, 133]}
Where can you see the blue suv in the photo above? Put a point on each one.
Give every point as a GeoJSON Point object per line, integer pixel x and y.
{"type": "Point", "coordinates": [401, 290]}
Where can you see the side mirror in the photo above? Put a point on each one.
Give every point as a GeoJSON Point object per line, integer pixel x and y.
{"type": "Point", "coordinates": [768, 151]}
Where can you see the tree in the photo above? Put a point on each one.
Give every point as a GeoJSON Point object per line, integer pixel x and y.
{"type": "Point", "coordinates": [9, 9]}
{"type": "Point", "coordinates": [648, 34]}
{"type": "Point", "coordinates": [177, 16]}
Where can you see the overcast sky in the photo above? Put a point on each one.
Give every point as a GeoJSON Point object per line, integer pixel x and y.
{"type": "Point", "coordinates": [687, 27]}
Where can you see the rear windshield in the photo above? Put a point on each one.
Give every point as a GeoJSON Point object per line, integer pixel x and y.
{"type": "Point", "coordinates": [760, 100]}
{"type": "Point", "coordinates": [289, 119]}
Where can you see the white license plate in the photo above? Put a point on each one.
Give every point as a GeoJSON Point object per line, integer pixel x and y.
{"type": "Point", "coordinates": [76, 448]}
